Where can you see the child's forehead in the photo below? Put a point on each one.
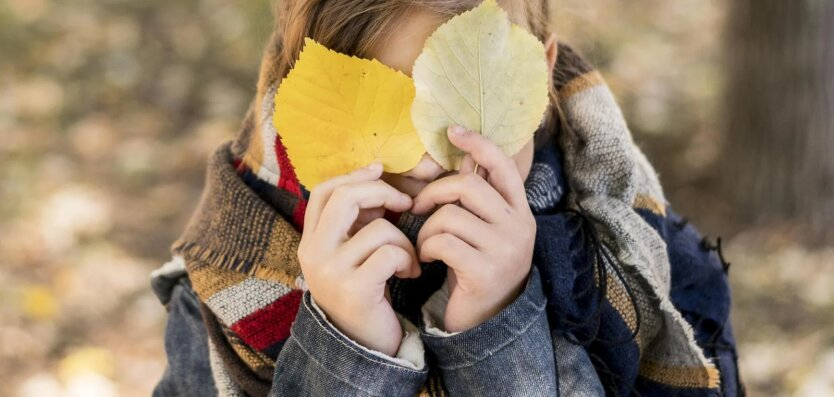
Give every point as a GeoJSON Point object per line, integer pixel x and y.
{"type": "Point", "coordinates": [404, 44]}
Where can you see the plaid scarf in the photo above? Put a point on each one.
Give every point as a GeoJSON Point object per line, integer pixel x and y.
{"type": "Point", "coordinates": [239, 249]}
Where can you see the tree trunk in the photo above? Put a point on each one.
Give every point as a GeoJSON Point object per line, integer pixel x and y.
{"type": "Point", "coordinates": [778, 159]}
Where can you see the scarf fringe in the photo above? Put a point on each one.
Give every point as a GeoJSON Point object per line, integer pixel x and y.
{"type": "Point", "coordinates": [206, 256]}
{"type": "Point", "coordinates": [198, 256]}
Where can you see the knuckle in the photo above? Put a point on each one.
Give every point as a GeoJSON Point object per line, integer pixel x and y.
{"type": "Point", "coordinates": [340, 194]}
{"type": "Point", "coordinates": [391, 252]}
{"type": "Point", "coordinates": [472, 180]}
{"type": "Point", "coordinates": [446, 210]}
{"type": "Point", "coordinates": [479, 141]}
{"type": "Point", "coordinates": [428, 245]}
{"type": "Point", "coordinates": [381, 184]}
{"type": "Point", "coordinates": [380, 226]}
{"type": "Point", "coordinates": [507, 161]}
{"type": "Point", "coordinates": [319, 190]}
{"type": "Point", "coordinates": [326, 187]}
{"type": "Point", "coordinates": [384, 252]}
{"type": "Point", "coordinates": [445, 241]}
{"type": "Point", "coordinates": [380, 223]}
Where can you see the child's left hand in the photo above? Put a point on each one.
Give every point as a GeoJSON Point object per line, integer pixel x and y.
{"type": "Point", "coordinates": [488, 241]}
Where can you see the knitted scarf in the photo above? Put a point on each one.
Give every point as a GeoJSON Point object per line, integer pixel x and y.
{"type": "Point", "coordinates": [239, 249]}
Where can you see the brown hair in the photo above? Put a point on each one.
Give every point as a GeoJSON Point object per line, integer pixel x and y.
{"type": "Point", "coordinates": [355, 27]}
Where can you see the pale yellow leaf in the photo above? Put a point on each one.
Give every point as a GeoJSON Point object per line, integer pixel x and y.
{"type": "Point", "coordinates": [336, 113]}
{"type": "Point", "coordinates": [39, 302]}
{"type": "Point", "coordinates": [480, 71]}
{"type": "Point", "coordinates": [86, 360]}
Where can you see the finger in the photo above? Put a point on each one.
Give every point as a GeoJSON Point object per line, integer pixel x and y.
{"type": "Point", "coordinates": [453, 219]}
{"type": "Point", "coordinates": [503, 172]}
{"type": "Point", "coordinates": [342, 209]}
{"type": "Point", "coordinates": [467, 165]}
{"type": "Point", "coordinates": [456, 253]}
{"type": "Point", "coordinates": [368, 239]}
{"type": "Point", "coordinates": [388, 260]}
{"type": "Point", "coordinates": [473, 192]}
{"type": "Point", "coordinates": [321, 192]}
{"type": "Point", "coordinates": [365, 217]}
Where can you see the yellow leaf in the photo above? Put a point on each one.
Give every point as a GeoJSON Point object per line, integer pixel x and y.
{"type": "Point", "coordinates": [336, 113]}
{"type": "Point", "coordinates": [480, 71]}
{"type": "Point", "coordinates": [86, 360]}
{"type": "Point", "coordinates": [39, 302]}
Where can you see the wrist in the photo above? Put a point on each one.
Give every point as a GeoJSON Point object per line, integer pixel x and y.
{"type": "Point", "coordinates": [483, 308]}
{"type": "Point", "coordinates": [378, 332]}
{"type": "Point", "coordinates": [334, 353]}
{"type": "Point", "coordinates": [487, 340]}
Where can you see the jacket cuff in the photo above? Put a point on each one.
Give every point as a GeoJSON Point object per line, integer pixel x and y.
{"type": "Point", "coordinates": [465, 348]}
{"type": "Point", "coordinates": [434, 312]}
{"type": "Point", "coordinates": [410, 354]}
{"type": "Point", "coordinates": [352, 363]}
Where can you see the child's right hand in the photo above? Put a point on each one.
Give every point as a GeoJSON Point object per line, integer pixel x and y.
{"type": "Point", "coordinates": [346, 272]}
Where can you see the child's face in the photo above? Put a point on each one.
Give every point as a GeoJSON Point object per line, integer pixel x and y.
{"type": "Point", "coordinates": [400, 51]}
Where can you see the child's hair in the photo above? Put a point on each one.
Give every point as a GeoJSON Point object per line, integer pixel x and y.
{"type": "Point", "coordinates": [355, 27]}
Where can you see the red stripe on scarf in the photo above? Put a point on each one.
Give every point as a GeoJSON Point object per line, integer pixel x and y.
{"type": "Point", "coordinates": [298, 214]}
{"type": "Point", "coordinates": [288, 181]}
{"type": "Point", "coordinates": [271, 324]}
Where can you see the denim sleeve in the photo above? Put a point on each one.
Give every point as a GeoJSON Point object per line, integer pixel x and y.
{"type": "Point", "coordinates": [510, 354]}
{"type": "Point", "coordinates": [577, 375]}
{"type": "Point", "coordinates": [318, 360]}
{"type": "Point", "coordinates": [188, 372]}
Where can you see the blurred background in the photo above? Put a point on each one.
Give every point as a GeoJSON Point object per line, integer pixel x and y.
{"type": "Point", "coordinates": [108, 110]}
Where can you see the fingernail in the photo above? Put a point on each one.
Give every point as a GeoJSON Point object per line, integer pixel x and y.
{"type": "Point", "coordinates": [373, 166]}
{"type": "Point", "coordinates": [458, 130]}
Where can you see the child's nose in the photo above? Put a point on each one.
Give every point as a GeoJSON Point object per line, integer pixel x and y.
{"type": "Point", "coordinates": [426, 170]}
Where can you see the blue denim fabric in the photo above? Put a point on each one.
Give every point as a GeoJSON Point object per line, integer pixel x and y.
{"type": "Point", "coordinates": [510, 354]}
{"type": "Point", "coordinates": [186, 344]}
{"type": "Point", "coordinates": [317, 360]}
{"type": "Point", "coordinates": [577, 376]}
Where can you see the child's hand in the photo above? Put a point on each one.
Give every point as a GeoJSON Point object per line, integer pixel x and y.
{"type": "Point", "coordinates": [487, 243]}
{"type": "Point", "coordinates": [346, 272]}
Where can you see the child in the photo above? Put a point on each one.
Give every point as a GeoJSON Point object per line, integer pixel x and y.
{"type": "Point", "coordinates": [560, 272]}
